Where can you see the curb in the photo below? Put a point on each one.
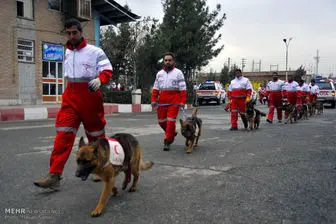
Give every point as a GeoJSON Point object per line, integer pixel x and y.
{"type": "Point", "coordinates": [43, 113]}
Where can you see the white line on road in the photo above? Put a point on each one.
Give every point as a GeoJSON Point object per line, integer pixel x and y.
{"type": "Point", "coordinates": [27, 127]}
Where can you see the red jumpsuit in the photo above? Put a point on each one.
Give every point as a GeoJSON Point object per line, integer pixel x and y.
{"type": "Point", "coordinates": [273, 90]}
{"type": "Point", "coordinates": [261, 92]}
{"type": "Point", "coordinates": [300, 97]}
{"type": "Point", "coordinates": [314, 90]}
{"type": "Point", "coordinates": [79, 104]}
{"type": "Point", "coordinates": [169, 92]}
{"type": "Point", "coordinates": [239, 89]}
{"type": "Point", "coordinates": [290, 92]}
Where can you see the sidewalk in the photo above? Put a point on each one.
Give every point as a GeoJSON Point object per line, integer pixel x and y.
{"type": "Point", "coordinates": [47, 111]}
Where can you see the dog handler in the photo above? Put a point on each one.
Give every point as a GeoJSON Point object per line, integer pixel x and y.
{"type": "Point", "coordinates": [239, 93]}
{"type": "Point", "coordinates": [169, 94]}
{"type": "Point", "coordinates": [81, 101]}
{"type": "Point", "coordinates": [290, 91]}
{"type": "Point", "coordinates": [314, 91]}
{"type": "Point", "coordinates": [273, 90]}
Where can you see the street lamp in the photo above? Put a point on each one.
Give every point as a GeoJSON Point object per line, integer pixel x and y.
{"type": "Point", "coordinates": [287, 43]}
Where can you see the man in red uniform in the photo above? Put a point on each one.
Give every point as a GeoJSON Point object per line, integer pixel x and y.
{"type": "Point", "coordinates": [239, 94]}
{"type": "Point", "coordinates": [314, 91]}
{"type": "Point", "coordinates": [301, 95]}
{"type": "Point", "coordinates": [273, 90]}
{"type": "Point", "coordinates": [81, 101]}
{"type": "Point", "coordinates": [290, 91]}
{"type": "Point", "coordinates": [170, 88]}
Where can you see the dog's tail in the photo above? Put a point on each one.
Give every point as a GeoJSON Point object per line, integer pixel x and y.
{"type": "Point", "coordinates": [195, 112]}
{"type": "Point", "coordinates": [262, 114]}
{"type": "Point", "coordinates": [146, 165]}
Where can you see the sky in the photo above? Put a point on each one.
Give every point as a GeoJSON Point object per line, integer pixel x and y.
{"type": "Point", "coordinates": [255, 29]}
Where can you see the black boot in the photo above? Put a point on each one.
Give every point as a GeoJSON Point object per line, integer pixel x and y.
{"type": "Point", "coordinates": [166, 146]}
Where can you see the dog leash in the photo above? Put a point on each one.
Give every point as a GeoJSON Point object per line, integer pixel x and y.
{"type": "Point", "coordinates": [183, 117]}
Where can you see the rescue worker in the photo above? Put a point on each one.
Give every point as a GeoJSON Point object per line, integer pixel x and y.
{"type": "Point", "coordinates": [261, 92]}
{"type": "Point", "coordinates": [274, 92]}
{"type": "Point", "coordinates": [300, 94]}
{"type": "Point", "coordinates": [290, 91]}
{"type": "Point", "coordinates": [239, 93]}
{"type": "Point", "coordinates": [169, 94]}
{"type": "Point", "coordinates": [82, 100]}
{"type": "Point", "coordinates": [314, 91]}
{"type": "Point", "coordinates": [306, 91]}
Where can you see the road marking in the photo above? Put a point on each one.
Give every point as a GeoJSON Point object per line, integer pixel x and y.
{"type": "Point", "coordinates": [27, 127]}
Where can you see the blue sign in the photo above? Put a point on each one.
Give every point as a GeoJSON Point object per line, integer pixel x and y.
{"type": "Point", "coordinates": [52, 52]}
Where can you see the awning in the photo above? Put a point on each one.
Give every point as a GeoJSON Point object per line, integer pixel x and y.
{"type": "Point", "coordinates": [111, 13]}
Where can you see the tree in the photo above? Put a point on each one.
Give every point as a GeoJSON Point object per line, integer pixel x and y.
{"type": "Point", "coordinates": [118, 45]}
{"type": "Point", "coordinates": [189, 31]}
{"type": "Point", "coordinates": [299, 73]}
{"type": "Point", "coordinates": [224, 76]}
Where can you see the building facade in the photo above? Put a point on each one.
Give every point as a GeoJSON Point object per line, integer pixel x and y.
{"type": "Point", "coordinates": [33, 38]}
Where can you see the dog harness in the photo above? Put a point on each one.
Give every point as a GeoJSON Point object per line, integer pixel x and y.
{"type": "Point", "coordinates": [117, 154]}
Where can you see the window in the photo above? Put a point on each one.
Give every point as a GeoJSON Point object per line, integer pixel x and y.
{"type": "Point", "coordinates": [207, 86]}
{"type": "Point", "coordinates": [54, 5]}
{"type": "Point", "coordinates": [25, 50]}
{"type": "Point", "coordinates": [324, 85]}
{"type": "Point", "coordinates": [24, 8]}
{"type": "Point", "coordinates": [52, 73]}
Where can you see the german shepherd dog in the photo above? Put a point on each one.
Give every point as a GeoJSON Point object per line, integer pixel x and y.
{"type": "Point", "coordinates": [319, 107]}
{"type": "Point", "coordinates": [312, 108]}
{"type": "Point", "coordinates": [292, 113]}
{"type": "Point", "coordinates": [253, 115]}
{"type": "Point", "coordinates": [191, 129]}
{"type": "Point", "coordinates": [303, 112]}
{"type": "Point", "coordinates": [95, 158]}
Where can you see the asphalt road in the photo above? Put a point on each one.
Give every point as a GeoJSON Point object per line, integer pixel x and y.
{"type": "Point", "coordinates": [277, 174]}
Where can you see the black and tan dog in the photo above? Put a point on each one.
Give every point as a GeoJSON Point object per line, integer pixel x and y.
{"type": "Point", "coordinates": [319, 107]}
{"type": "Point", "coordinates": [312, 108]}
{"type": "Point", "coordinates": [95, 158]}
{"type": "Point", "coordinates": [253, 115]}
{"type": "Point", "coordinates": [292, 112]}
{"type": "Point", "coordinates": [303, 112]}
{"type": "Point", "coordinates": [191, 129]}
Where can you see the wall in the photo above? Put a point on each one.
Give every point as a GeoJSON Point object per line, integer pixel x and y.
{"type": "Point", "coordinates": [9, 81]}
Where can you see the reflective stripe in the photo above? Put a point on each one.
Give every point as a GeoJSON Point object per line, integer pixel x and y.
{"type": "Point", "coordinates": [171, 119]}
{"type": "Point", "coordinates": [168, 104]}
{"type": "Point", "coordinates": [173, 88]}
{"type": "Point", "coordinates": [234, 110]}
{"type": "Point", "coordinates": [95, 133]}
{"type": "Point", "coordinates": [238, 96]}
{"type": "Point", "coordinates": [272, 107]}
{"type": "Point", "coordinates": [162, 120]}
{"type": "Point", "coordinates": [66, 129]}
{"type": "Point", "coordinates": [80, 79]}
{"type": "Point", "coordinates": [102, 58]}
{"type": "Point", "coordinates": [104, 62]}
{"type": "Point", "coordinates": [239, 89]}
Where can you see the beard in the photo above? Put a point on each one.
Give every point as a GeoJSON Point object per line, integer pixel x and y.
{"type": "Point", "coordinates": [275, 79]}
{"type": "Point", "coordinates": [168, 67]}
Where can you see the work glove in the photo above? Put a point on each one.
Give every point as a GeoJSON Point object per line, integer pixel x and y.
{"type": "Point", "coordinates": [154, 105]}
{"type": "Point", "coordinates": [248, 99]}
{"type": "Point", "coordinates": [94, 84]}
{"type": "Point", "coordinates": [307, 98]}
{"type": "Point", "coordinates": [229, 101]}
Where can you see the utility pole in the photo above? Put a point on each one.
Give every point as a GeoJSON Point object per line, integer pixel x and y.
{"type": "Point", "coordinates": [259, 65]}
{"type": "Point", "coordinates": [229, 61]}
{"type": "Point", "coordinates": [287, 44]}
{"type": "Point", "coordinates": [253, 65]}
{"type": "Point", "coordinates": [317, 58]}
{"type": "Point", "coordinates": [243, 63]}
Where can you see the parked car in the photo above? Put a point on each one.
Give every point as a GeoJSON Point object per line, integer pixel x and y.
{"type": "Point", "coordinates": [327, 92]}
{"type": "Point", "coordinates": [211, 91]}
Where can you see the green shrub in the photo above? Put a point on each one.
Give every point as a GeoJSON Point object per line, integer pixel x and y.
{"type": "Point", "coordinates": [122, 97]}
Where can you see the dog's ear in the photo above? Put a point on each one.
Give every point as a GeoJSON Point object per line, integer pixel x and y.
{"type": "Point", "coordinates": [81, 142]}
{"type": "Point", "coordinates": [181, 122]}
{"type": "Point", "coordinates": [103, 142]}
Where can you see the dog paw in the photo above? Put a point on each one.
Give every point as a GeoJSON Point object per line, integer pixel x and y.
{"type": "Point", "coordinates": [97, 212]}
{"type": "Point", "coordinates": [132, 189]}
{"type": "Point", "coordinates": [114, 192]}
